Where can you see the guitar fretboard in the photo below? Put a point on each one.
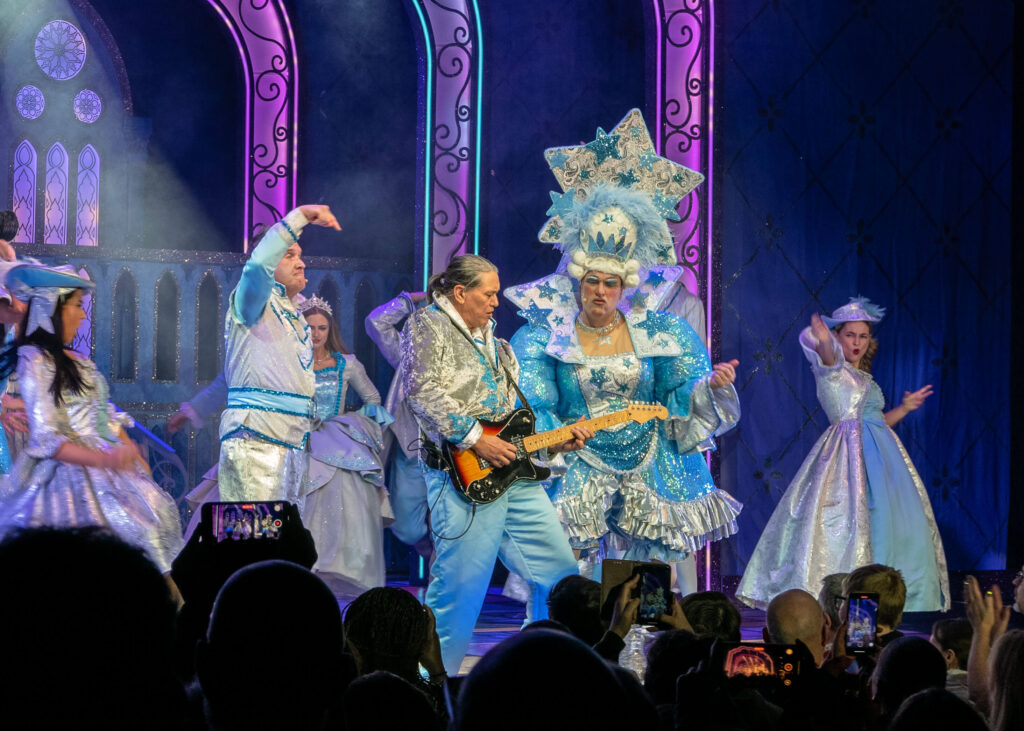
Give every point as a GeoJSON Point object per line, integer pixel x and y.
{"type": "Point", "coordinates": [546, 439]}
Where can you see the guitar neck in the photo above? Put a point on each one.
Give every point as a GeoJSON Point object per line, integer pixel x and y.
{"type": "Point", "coordinates": [536, 442]}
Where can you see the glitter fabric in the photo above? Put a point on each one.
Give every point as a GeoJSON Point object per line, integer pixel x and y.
{"type": "Point", "coordinates": [856, 500]}
{"type": "Point", "coordinates": [344, 491]}
{"type": "Point", "coordinates": [450, 380]}
{"type": "Point", "coordinates": [46, 491]}
{"type": "Point", "coordinates": [382, 325]}
{"type": "Point", "coordinates": [644, 489]}
{"type": "Point", "coordinates": [269, 366]}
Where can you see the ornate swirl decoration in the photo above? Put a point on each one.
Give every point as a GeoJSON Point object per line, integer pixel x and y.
{"type": "Point", "coordinates": [684, 39]}
{"type": "Point", "coordinates": [262, 32]}
{"type": "Point", "coordinates": [452, 176]}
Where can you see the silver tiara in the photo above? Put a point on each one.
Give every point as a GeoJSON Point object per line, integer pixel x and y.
{"type": "Point", "coordinates": [316, 302]}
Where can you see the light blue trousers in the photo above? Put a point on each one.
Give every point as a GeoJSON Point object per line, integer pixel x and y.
{"type": "Point", "coordinates": [520, 528]}
{"type": "Point", "coordinates": [408, 494]}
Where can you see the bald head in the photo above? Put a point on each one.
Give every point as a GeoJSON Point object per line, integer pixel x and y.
{"type": "Point", "coordinates": [796, 615]}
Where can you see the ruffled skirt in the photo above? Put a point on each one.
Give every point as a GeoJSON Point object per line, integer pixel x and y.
{"type": "Point", "coordinates": [54, 493]}
{"type": "Point", "coordinates": [664, 509]}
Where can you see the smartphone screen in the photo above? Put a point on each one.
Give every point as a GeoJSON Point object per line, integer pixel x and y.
{"type": "Point", "coordinates": [654, 590]}
{"type": "Point", "coordinates": [861, 623]}
{"type": "Point", "coordinates": [760, 664]}
{"type": "Point", "coordinates": [244, 521]}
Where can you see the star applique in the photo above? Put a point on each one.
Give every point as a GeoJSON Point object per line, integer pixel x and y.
{"type": "Point", "coordinates": [561, 341]}
{"type": "Point", "coordinates": [640, 300]}
{"type": "Point", "coordinates": [648, 158]}
{"type": "Point", "coordinates": [558, 320]}
{"type": "Point", "coordinates": [655, 277]}
{"type": "Point", "coordinates": [598, 377]}
{"type": "Point", "coordinates": [584, 174]}
{"type": "Point", "coordinates": [554, 231]}
{"type": "Point", "coordinates": [561, 203]}
{"type": "Point", "coordinates": [627, 179]}
{"type": "Point", "coordinates": [666, 205]}
{"type": "Point", "coordinates": [604, 146]}
{"type": "Point", "coordinates": [649, 325]}
{"type": "Point", "coordinates": [546, 291]}
{"type": "Point", "coordinates": [536, 316]}
{"type": "Point", "coordinates": [557, 159]}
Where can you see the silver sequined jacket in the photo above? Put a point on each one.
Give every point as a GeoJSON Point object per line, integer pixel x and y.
{"type": "Point", "coordinates": [450, 381]}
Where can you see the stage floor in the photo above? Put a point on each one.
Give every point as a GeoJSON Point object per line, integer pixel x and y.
{"type": "Point", "coordinates": [502, 617]}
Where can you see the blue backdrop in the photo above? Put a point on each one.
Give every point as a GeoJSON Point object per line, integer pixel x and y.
{"type": "Point", "coordinates": [864, 148]}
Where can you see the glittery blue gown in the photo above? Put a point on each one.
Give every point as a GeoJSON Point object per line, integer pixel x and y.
{"type": "Point", "coordinates": [856, 500]}
{"type": "Point", "coordinates": [642, 491]}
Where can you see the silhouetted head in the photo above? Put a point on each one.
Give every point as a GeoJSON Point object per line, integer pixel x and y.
{"type": "Point", "coordinates": [936, 710]}
{"type": "Point", "coordinates": [907, 665]}
{"type": "Point", "coordinates": [711, 614]}
{"type": "Point", "coordinates": [274, 639]}
{"type": "Point", "coordinates": [575, 601]}
{"type": "Point", "coordinates": [382, 701]}
{"type": "Point", "coordinates": [672, 654]}
{"type": "Point", "coordinates": [88, 626]}
{"type": "Point", "coordinates": [542, 680]}
{"type": "Point", "coordinates": [386, 628]}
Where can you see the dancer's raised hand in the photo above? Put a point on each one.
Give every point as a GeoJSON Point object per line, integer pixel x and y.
{"type": "Point", "coordinates": [912, 400]}
{"type": "Point", "coordinates": [321, 216]}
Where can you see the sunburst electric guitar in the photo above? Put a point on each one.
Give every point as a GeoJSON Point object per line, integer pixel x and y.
{"type": "Point", "coordinates": [479, 482]}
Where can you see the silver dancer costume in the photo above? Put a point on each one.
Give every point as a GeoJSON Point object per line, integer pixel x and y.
{"type": "Point", "coordinates": [269, 369]}
{"type": "Point", "coordinates": [405, 481]}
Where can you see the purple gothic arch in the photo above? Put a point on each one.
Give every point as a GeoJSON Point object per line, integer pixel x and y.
{"type": "Point", "coordinates": [266, 46]}
{"type": "Point", "coordinates": [451, 54]}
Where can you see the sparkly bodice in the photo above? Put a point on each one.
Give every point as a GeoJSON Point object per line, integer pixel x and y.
{"type": "Point", "coordinates": [84, 418]}
{"type": "Point", "coordinates": [607, 383]}
{"type": "Point", "coordinates": [848, 394]}
{"type": "Point", "coordinates": [844, 392]}
{"type": "Point", "coordinates": [330, 389]}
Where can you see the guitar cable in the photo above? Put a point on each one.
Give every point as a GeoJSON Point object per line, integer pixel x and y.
{"type": "Point", "coordinates": [432, 459]}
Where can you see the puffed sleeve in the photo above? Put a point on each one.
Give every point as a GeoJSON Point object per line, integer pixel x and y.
{"type": "Point", "coordinates": [424, 377]}
{"type": "Point", "coordinates": [47, 423]}
{"type": "Point", "coordinates": [697, 412]}
{"type": "Point", "coordinates": [382, 326]}
{"type": "Point", "coordinates": [537, 377]}
{"type": "Point", "coordinates": [809, 344]}
{"type": "Point", "coordinates": [355, 373]}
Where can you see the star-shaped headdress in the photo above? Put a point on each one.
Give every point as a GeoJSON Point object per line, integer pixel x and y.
{"type": "Point", "coordinates": [617, 194]}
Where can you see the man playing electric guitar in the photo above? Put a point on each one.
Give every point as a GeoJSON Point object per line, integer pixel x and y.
{"type": "Point", "coordinates": [455, 373]}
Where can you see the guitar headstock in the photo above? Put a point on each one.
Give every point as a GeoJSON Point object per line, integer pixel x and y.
{"type": "Point", "coordinates": [642, 411]}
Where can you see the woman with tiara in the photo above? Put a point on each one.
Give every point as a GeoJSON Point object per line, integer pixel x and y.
{"type": "Point", "coordinates": [857, 498]}
{"type": "Point", "coordinates": [637, 490]}
{"type": "Point", "coordinates": [78, 467]}
{"type": "Point", "coordinates": [344, 504]}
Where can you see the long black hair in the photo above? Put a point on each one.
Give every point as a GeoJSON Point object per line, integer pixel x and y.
{"type": "Point", "coordinates": [66, 374]}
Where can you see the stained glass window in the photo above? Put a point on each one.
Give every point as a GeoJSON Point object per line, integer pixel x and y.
{"type": "Point", "coordinates": [55, 207]}
{"type": "Point", "coordinates": [60, 50]}
{"type": "Point", "coordinates": [88, 215]}
{"type": "Point", "coordinates": [30, 101]}
{"type": "Point", "coordinates": [24, 203]}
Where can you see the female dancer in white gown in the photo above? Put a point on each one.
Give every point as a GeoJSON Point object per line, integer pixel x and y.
{"type": "Point", "coordinates": [857, 498]}
{"type": "Point", "coordinates": [78, 467]}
